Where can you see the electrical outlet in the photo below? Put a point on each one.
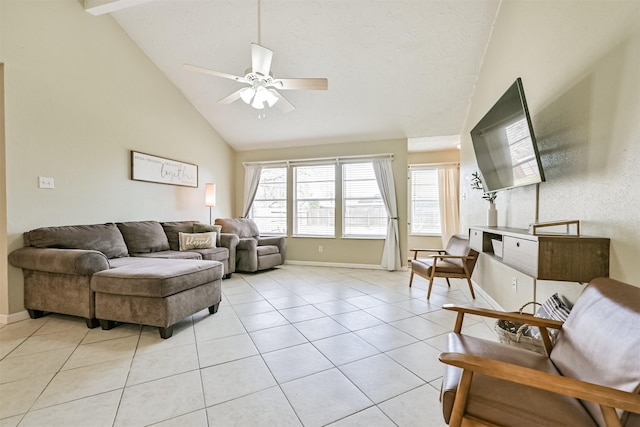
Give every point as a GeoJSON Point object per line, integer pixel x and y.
{"type": "Point", "coordinates": [45, 182]}
{"type": "Point", "coordinates": [320, 248]}
{"type": "Point", "coordinates": [514, 284]}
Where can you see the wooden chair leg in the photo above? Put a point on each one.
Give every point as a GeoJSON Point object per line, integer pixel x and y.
{"type": "Point", "coordinates": [471, 288]}
{"type": "Point", "coordinates": [448, 282]}
{"type": "Point", "coordinates": [411, 279]}
{"type": "Point", "coordinates": [430, 286]}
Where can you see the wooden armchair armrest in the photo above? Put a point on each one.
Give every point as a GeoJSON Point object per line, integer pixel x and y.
{"type": "Point", "coordinates": [608, 398]}
{"type": "Point", "coordinates": [445, 255]}
{"type": "Point", "coordinates": [540, 322]}
{"type": "Point", "coordinates": [415, 251]}
{"type": "Point", "coordinates": [505, 315]}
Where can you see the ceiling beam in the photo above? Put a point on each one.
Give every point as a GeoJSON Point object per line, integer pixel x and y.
{"type": "Point", "coordinates": [101, 7]}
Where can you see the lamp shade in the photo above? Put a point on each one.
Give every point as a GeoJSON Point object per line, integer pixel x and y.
{"type": "Point", "coordinates": [209, 195]}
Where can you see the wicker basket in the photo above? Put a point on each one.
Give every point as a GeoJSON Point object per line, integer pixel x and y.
{"type": "Point", "coordinates": [512, 333]}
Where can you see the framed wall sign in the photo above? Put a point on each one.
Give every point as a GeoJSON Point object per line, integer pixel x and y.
{"type": "Point", "coordinates": [145, 167]}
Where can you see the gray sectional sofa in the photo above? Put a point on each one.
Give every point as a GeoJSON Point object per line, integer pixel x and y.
{"type": "Point", "coordinates": [130, 272]}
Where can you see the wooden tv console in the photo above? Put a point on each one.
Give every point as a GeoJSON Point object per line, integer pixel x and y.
{"type": "Point", "coordinates": [544, 257]}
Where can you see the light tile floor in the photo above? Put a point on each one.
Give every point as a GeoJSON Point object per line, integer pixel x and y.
{"type": "Point", "coordinates": [294, 346]}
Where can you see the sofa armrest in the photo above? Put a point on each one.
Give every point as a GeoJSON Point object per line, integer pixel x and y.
{"type": "Point", "coordinates": [607, 397]}
{"type": "Point", "coordinates": [280, 242]}
{"type": "Point", "coordinates": [247, 244]}
{"type": "Point", "coordinates": [78, 262]}
{"type": "Point", "coordinates": [230, 241]}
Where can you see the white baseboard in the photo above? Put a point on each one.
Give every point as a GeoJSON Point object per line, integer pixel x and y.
{"type": "Point", "coordinates": [335, 264]}
{"type": "Point", "coordinates": [14, 317]}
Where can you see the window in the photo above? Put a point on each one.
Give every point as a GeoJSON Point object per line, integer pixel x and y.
{"type": "Point", "coordinates": [314, 200]}
{"type": "Point", "coordinates": [269, 209]}
{"type": "Point", "coordinates": [425, 201]}
{"type": "Point", "coordinates": [364, 213]}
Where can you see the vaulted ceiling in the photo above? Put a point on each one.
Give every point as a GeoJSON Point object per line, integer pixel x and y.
{"type": "Point", "coordinates": [396, 68]}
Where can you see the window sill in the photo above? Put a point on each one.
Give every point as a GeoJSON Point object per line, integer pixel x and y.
{"type": "Point", "coordinates": [307, 236]}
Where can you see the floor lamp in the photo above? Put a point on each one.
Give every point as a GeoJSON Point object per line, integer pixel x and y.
{"type": "Point", "coordinates": [210, 197]}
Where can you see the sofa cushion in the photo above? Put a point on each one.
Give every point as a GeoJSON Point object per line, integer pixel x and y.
{"type": "Point", "coordinates": [242, 227]}
{"type": "Point", "coordinates": [267, 250]}
{"type": "Point", "coordinates": [204, 228]}
{"type": "Point", "coordinates": [156, 278]}
{"type": "Point", "coordinates": [197, 241]}
{"type": "Point", "coordinates": [98, 237]}
{"type": "Point", "coordinates": [169, 255]}
{"type": "Point", "coordinates": [172, 229]}
{"type": "Point", "coordinates": [144, 236]}
{"type": "Point", "coordinates": [212, 254]}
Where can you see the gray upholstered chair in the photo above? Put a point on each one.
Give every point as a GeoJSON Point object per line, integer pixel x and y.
{"type": "Point", "coordinates": [457, 261]}
{"type": "Point", "coordinates": [253, 252]}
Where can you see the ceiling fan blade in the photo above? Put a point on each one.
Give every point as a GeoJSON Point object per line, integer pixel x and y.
{"type": "Point", "coordinates": [302, 84]}
{"type": "Point", "coordinates": [214, 73]}
{"type": "Point", "coordinates": [231, 98]}
{"type": "Point", "coordinates": [261, 59]}
{"type": "Point", "coordinates": [283, 103]}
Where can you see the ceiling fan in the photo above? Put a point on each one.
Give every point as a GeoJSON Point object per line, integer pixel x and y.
{"type": "Point", "coordinates": [261, 91]}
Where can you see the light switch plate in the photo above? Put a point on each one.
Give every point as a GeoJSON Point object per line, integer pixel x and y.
{"type": "Point", "coordinates": [45, 182]}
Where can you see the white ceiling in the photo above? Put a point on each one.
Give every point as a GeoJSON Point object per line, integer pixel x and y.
{"type": "Point", "coordinates": [396, 68]}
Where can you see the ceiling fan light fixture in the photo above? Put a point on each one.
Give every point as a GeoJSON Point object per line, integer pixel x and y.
{"type": "Point", "coordinates": [247, 94]}
{"type": "Point", "coordinates": [262, 98]}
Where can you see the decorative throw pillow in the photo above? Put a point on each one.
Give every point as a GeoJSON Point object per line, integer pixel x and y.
{"type": "Point", "coordinates": [205, 228]}
{"type": "Point", "coordinates": [197, 241]}
{"type": "Point", "coordinates": [554, 309]}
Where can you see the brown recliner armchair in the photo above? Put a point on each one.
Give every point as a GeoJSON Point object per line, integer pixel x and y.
{"type": "Point", "coordinates": [253, 252]}
{"type": "Point", "coordinates": [457, 261]}
{"type": "Point", "coordinates": [590, 378]}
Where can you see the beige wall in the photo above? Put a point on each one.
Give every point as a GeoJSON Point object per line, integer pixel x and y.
{"type": "Point", "coordinates": [79, 96]}
{"type": "Point", "coordinates": [579, 62]}
{"type": "Point", "coordinates": [421, 158]}
{"type": "Point", "coordinates": [336, 251]}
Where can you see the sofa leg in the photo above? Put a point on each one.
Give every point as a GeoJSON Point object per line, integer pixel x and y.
{"type": "Point", "coordinates": [166, 332]}
{"type": "Point", "coordinates": [92, 323]}
{"type": "Point", "coordinates": [35, 314]}
{"type": "Point", "coordinates": [214, 308]}
{"type": "Point", "coordinates": [107, 324]}
{"type": "Point", "coordinates": [227, 276]}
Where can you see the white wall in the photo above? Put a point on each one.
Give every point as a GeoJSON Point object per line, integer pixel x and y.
{"type": "Point", "coordinates": [80, 95]}
{"type": "Point", "coordinates": [579, 62]}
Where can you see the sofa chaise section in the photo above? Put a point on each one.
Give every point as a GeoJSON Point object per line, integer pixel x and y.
{"type": "Point", "coordinates": [155, 292]}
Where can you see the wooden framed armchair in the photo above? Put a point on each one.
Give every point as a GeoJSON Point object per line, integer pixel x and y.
{"type": "Point", "coordinates": [591, 376]}
{"type": "Point", "coordinates": [457, 260]}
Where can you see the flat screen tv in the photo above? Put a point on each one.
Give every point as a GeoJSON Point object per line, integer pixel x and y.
{"type": "Point", "coordinates": [504, 143]}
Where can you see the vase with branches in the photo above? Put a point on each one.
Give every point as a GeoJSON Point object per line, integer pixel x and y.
{"type": "Point", "coordinates": [492, 213]}
{"type": "Point", "coordinates": [476, 184]}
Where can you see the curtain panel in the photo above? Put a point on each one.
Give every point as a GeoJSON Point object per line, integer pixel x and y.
{"type": "Point", "coordinates": [384, 176]}
{"type": "Point", "coordinates": [251, 180]}
{"type": "Point", "coordinates": [449, 191]}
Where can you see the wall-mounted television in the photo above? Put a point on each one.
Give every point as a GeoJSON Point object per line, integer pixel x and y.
{"type": "Point", "coordinates": [504, 143]}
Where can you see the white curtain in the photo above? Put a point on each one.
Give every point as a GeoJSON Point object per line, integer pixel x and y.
{"type": "Point", "coordinates": [449, 179]}
{"type": "Point", "coordinates": [384, 176]}
{"type": "Point", "coordinates": [251, 181]}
